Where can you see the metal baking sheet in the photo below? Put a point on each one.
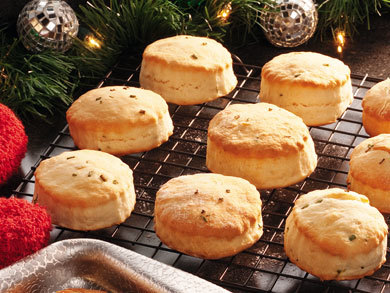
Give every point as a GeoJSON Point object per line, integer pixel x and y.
{"type": "Point", "coordinates": [95, 264]}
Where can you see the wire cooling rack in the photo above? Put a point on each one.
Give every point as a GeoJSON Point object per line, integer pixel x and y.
{"type": "Point", "coordinates": [264, 267]}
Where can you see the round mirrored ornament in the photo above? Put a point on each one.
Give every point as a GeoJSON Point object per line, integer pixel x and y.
{"type": "Point", "coordinates": [47, 24]}
{"type": "Point", "coordinates": [290, 23]}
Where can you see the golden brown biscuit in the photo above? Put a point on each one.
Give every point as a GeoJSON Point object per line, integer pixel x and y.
{"type": "Point", "coordinates": [369, 171]}
{"type": "Point", "coordinates": [119, 120]}
{"type": "Point", "coordinates": [265, 144]}
{"type": "Point", "coordinates": [335, 235]}
{"type": "Point", "coordinates": [313, 86]}
{"type": "Point", "coordinates": [187, 70]}
{"type": "Point", "coordinates": [85, 189]}
{"type": "Point", "coordinates": [376, 109]}
{"type": "Point", "coordinates": [208, 215]}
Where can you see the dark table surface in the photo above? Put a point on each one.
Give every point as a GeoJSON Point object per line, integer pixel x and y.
{"type": "Point", "coordinates": [368, 53]}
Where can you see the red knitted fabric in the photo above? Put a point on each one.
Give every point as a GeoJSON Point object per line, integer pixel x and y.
{"type": "Point", "coordinates": [13, 143]}
{"type": "Point", "coordinates": [24, 229]}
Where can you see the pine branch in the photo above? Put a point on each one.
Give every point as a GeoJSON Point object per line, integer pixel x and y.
{"type": "Point", "coordinates": [346, 15]}
{"type": "Point", "coordinates": [204, 18]}
{"type": "Point", "coordinates": [34, 84]}
{"type": "Point", "coordinates": [245, 19]}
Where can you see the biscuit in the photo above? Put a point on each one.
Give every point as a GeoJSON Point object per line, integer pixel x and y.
{"type": "Point", "coordinates": [369, 171]}
{"type": "Point", "coordinates": [262, 143]}
{"type": "Point", "coordinates": [335, 235]}
{"type": "Point", "coordinates": [376, 109]}
{"type": "Point", "coordinates": [85, 189]}
{"type": "Point", "coordinates": [313, 86]}
{"type": "Point", "coordinates": [119, 120]}
{"type": "Point", "coordinates": [208, 215]}
{"type": "Point", "coordinates": [187, 70]}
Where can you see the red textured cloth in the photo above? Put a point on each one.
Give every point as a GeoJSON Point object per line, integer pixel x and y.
{"type": "Point", "coordinates": [24, 229]}
{"type": "Point", "coordinates": [13, 143]}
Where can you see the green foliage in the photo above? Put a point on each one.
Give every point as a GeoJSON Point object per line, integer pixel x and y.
{"type": "Point", "coordinates": [34, 84]}
{"type": "Point", "coordinates": [128, 23]}
{"type": "Point", "coordinates": [346, 15]}
{"type": "Point", "coordinates": [41, 84]}
{"type": "Point", "coordinates": [204, 19]}
{"type": "Point", "coordinates": [245, 19]}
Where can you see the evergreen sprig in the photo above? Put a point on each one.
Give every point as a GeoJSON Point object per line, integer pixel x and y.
{"type": "Point", "coordinates": [245, 19]}
{"type": "Point", "coordinates": [128, 25]}
{"type": "Point", "coordinates": [34, 85]}
{"type": "Point", "coordinates": [346, 15]}
{"type": "Point", "coordinates": [203, 18]}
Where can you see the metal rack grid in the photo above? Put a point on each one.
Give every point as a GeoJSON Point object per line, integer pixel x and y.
{"type": "Point", "coordinates": [264, 267]}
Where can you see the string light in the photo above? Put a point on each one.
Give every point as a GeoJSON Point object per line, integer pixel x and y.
{"type": "Point", "coordinates": [92, 42]}
{"type": "Point", "coordinates": [225, 12]}
{"type": "Point", "coordinates": [340, 41]}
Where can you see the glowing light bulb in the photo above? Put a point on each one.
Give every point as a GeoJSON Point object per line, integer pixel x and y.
{"type": "Point", "coordinates": [92, 42]}
{"type": "Point", "coordinates": [340, 41]}
{"type": "Point", "coordinates": [225, 12]}
{"type": "Point", "coordinates": [340, 38]}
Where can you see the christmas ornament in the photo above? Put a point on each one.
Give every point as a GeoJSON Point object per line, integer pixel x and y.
{"type": "Point", "coordinates": [290, 23]}
{"type": "Point", "coordinates": [47, 24]}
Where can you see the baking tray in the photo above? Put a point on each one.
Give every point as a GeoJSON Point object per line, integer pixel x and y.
{"type": "Point", "coordinates": [95, 264]}
{"type": "Point", "coordinates": [264, 267]}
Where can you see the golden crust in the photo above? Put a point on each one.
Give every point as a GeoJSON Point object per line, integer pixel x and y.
{"type": "Point", "coordinates": [258, 130]}
{"type": "Point", "coordinates": [119, 120]}
{"type": "Point", "coordinates": [189, 53]}
{"type": "Point", "coordinates": [348, 225]}
{"type": "Point", "coordinates": [335, 276]}
{"type": "Point", "coordinates": [84, 178]}
{"type": "Point", "coordinates": [335, 235]}
{"type": "Point", "coordinates": [116, 108]}
{"type": "Point", "coordinates": [379, 198]}
{"type": "Point", "coordinates": [370, 162]}
{"type": "Point", "coordinates": [376, 101]}
{"type": "Point", "coordinates": [230, 205]}
{"type": "Point", "coordinates": [375, 125]}
{"type": "Point", "coordinates": [306, 69]}
{"type": "Point", "coordinates": [208, 206]}
{"type": "Point", "coordinates": [187, 70]}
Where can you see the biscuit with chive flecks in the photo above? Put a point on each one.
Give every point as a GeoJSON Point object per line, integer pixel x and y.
{"type": "Point", "coordinates": [187, 70]}
{"type": "Point", "coordinates": [369, 171]}
{"type": "Point", "coordinates": [262, 143]}
{"type": "Point", "coordinates": [208, 215]}
{"type": "Point", "coordinates": [335, 235]}
{"type": "Point", "coordinates": [119, 120]}
{"type": "Point", "coordinates": [85, 189]}
{"type": "Point", "coordinates": [376, 109]}
{"type": "Point", "coordinates": [313, 86]}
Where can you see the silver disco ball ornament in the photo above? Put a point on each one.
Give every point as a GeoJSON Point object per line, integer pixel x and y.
{"type": "Point", "coordinates": [290, 23]}
{"type": "Point", "coordinates": [47, 24]}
